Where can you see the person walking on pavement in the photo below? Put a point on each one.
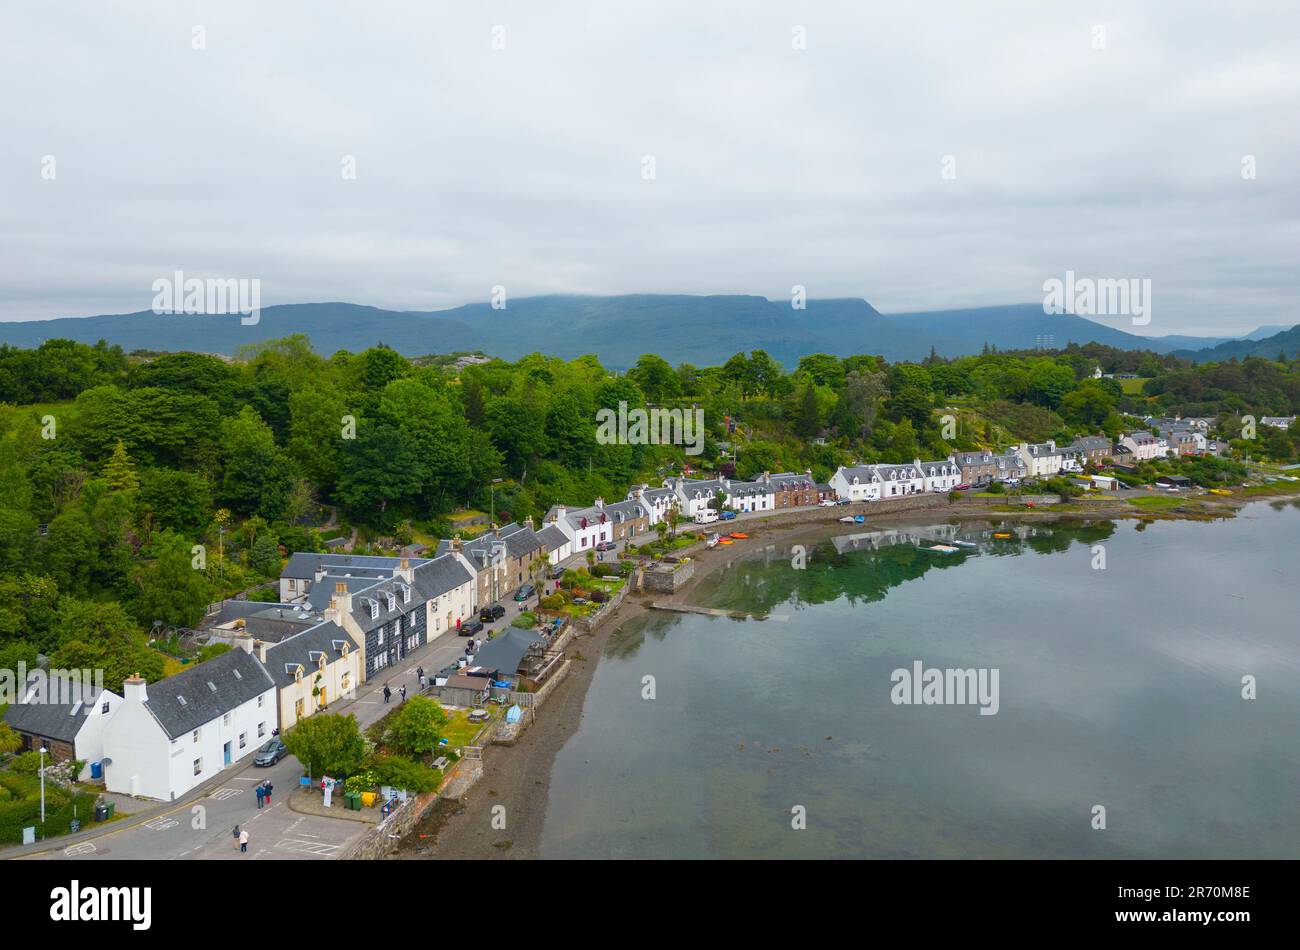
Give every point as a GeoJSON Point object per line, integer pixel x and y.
{"type": "Point", "coordinates": [387, 693]}
{"type": "Point", "coordinates": [261, 795]}
{"type": "Point", "coordinates": [235, 834]}
{"type": "Point", "coordinates": [268, 786]}
{"type": "Point", "coordinates": [243, 842]}
{"type": "Point", "coordinates": [402, 690]}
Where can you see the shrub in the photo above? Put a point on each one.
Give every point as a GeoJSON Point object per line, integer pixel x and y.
{"type": "Point", "coordinates": [553, 601]}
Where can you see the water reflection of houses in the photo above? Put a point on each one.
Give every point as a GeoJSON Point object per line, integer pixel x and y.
{"type": "Point", "coordinates": [888, 537]}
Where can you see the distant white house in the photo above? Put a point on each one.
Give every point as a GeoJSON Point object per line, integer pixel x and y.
{"type": "Point", "coordinates": [169, 737]}
{"type": "Point", "coordinates": [658, 502]}
{"type": "Point", "coordinates": [1042, 459]}
{"type": "Point", "coordinates": [1277, 422]}
{"type": "Point", "coordinates": [899, 480]}
{"type": "Point", "coordinates": [1143, 445]}
{"type": "Point", "coordinates": [856, 483]}
{"type": "Point", "coordinates": [943, 475]}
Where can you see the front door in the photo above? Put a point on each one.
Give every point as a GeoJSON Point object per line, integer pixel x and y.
{"type": "Point", "coordinates": [322, 697]}
{"type": "Point", "coordinates": [225, 751]}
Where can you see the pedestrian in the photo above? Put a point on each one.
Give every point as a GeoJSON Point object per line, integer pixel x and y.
{"type": "Point", "coordinates": [243, 842]}
{"type": "Point", "coordinates": [403, 692]}
{"type": "Point", "coordinates": [261, 795]}
{"type": "Point", "coordinates": [422, 680]}
{"type": "Point", "coordinates": [419, 671]}
{"type": "Point", "coordinates": [235, 834]}
{"type": "Point", "coordinates": [387, 693]}
{"type": "Point", "coordinates": [269, 787]}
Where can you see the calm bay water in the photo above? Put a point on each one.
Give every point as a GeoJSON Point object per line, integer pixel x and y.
{"type": "Point", "coordinates": [1118, 687]}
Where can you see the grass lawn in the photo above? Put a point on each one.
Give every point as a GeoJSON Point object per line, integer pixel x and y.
{"type": "Point", "coordinates": [1131, 387]}
{"type": "Point", "coordinates": [460, 732]}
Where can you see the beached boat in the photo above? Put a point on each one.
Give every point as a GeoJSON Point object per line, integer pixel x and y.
{"type": "Point", "coordinates": [739, 535]}
{"type": "Point", "coordinates": [847, 519]}
{"type": "Point", "coordinates": [711, 541]}
{"type": "Point", "coordinates": [859, 519]}
{"type": "Point", "coordinates": [725, 541]}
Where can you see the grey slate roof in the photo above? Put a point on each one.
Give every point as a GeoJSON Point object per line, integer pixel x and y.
{"type": "Point", "coordinates": [208, 690]}
{"type": "Point", "coordinates": [303, 564]}
{"type": "Point", "coordinates": [435, 578]}
{"type": "Point", "coordinates": [552, 538]}
{"type": "Point", "coordinates": [378, 594]}
{"type": "Point", "coordinates": [61, 721]}
{"type": "Point", "coordinates": [319, 596]}
{"type": "Point", "coordinates": [236, 609]}
{"type": "Point", "coordinates": [504, 651]}
{"type": "Point", "coordinates": [305, 648]}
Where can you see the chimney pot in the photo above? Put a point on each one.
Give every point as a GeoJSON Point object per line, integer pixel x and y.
{"type": "Point", "coordinates": [340, 587]}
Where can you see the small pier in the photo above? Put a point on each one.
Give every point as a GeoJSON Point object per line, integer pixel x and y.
{"type": "Point", "coordinates": [707, 611]}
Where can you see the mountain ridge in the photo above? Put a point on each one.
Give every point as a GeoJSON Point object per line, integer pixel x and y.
{"type": "Point", "coordinates": [701, 329]}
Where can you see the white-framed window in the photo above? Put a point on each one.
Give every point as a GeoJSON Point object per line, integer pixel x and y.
{"type": "Point", "coordinates": [380, 641]}
{"type": "Point", "coordinates": [243, 739]}
{"type": "Point", "coordinates": [225, 720]}
{"type": "Point", "coordinates": [260, 701]}
{"type": "Point", "coordinates": [198, 766]}
{"type": "Point", "coordinates": [195, 736]}
{"type": "Point", "coordinates": [261, 729]}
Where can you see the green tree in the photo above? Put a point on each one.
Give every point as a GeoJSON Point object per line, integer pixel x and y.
{"type": "Point", "coordinates": [416, 727]}
{"type": "Point", "coordinates": [327, 744]}
{"type": "Point", "coordinates": [119, 472]}
{"type": "Point", "coordinates": [168, 587]}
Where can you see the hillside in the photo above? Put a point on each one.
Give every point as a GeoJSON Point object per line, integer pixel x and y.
{"type": "Point", "coordinates": [1026, 327]}
{"type": "Point", "coordinates": [681, 328]}
{"type": "Point", "coordinates": [1288, 342]}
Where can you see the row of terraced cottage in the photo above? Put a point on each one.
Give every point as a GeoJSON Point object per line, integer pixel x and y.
{"type": "Point", "coordinates": [343, 619]}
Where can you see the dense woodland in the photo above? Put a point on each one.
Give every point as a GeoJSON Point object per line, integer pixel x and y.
{"type": "Point", "coordinates": [116, 466]}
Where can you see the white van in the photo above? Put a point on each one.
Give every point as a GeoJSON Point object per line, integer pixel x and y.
{"type": "Point", "coordinates": [706, 516]}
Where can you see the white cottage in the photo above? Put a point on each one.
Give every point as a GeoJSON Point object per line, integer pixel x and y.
{"type": "Point", "coordinates": [168, 738]}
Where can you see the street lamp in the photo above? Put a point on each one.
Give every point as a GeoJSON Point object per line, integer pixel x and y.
{"type": "Point", "coordinates": [43, 751]}
{"type": "Point", "coordinates": [492, 488]}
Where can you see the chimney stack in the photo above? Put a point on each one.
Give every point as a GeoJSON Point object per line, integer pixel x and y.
{"type": "Point", "coordinates": [529, 523]}
{"type": "Point", "coordinates": [133, 688]}
{"type": "Point", "coordinates": [245, 644]}
{"type": "Point", "coordinates": [259, 647]}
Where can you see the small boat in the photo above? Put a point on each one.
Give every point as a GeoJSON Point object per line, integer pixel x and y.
{"type": "Point", "coordinates": [964, 544]}
{"type": "Point", "coordinates": [939, 549]}
{"type": "Point", "coordinates": [725, 541]}
{"type": "Point", "coordinates": [739, 536]}
{"type": "Point", "coordinates": [711, 541]}
{"type": "Point", "coordinates": [847, 519]}
{"type": "Point", "coordinates": [859, 519]}
{"type": "Point", "coordinates": [1002, 535]}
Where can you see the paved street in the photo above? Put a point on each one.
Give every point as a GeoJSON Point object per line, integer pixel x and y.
{"type": "Point", "coordinates": [200, 825]}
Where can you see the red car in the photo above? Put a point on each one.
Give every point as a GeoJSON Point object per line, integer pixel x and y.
{"type": "Point", "coordinates": [962, 488]}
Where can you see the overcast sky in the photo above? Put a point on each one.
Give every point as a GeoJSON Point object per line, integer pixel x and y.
{"type": "Point", "coordinates": [774, 165]}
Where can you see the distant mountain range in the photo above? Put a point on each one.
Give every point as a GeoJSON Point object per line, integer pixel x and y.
{"type": "Point", "coordinates": [1287, 342]}
{"type": "Point", "coordinates": [703, 330]}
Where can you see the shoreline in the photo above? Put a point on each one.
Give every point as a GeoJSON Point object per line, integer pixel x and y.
{"type": "Point", "coordinates": [518, 777]}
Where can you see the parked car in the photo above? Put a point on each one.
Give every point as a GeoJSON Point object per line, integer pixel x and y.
{"type": "Point", "coordinates": [555, 573]}
{"type": "Point", "coordinates": [962, 488]}
{"type": "Point", "coordinates": [727, 515]}
{"type": "Point", "coordinates": [605, 546]}
{"type": "Point", "coordinates": [488, 614]}
{"type": "Point", "coordinates": [271, 753]}
{"type": "Point", "coordinates": [525, 592]}
{"type": "Point", "coordinates": [842, 501]}
{"type": "Point", "coordinates": [470, 628]}
{"type": "Point", "coordinates": [828, 503]}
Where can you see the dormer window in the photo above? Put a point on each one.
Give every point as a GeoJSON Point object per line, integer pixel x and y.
{"type": "Point", "coordinates": [392, 601]}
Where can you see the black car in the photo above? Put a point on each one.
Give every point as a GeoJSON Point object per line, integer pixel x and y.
{"type": "Point", "coordinates": [470, 628]}
{"type": "Point", "coordinates": [605, 546]}
{"type": "Point", "coordinates": [488, 614]}
{"type": "Point", "coordinates": [270, 753]}
{"type": "Point", "coordinates": [555, 573]}
{"type": "Point", "coordinates": [525, 592]}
